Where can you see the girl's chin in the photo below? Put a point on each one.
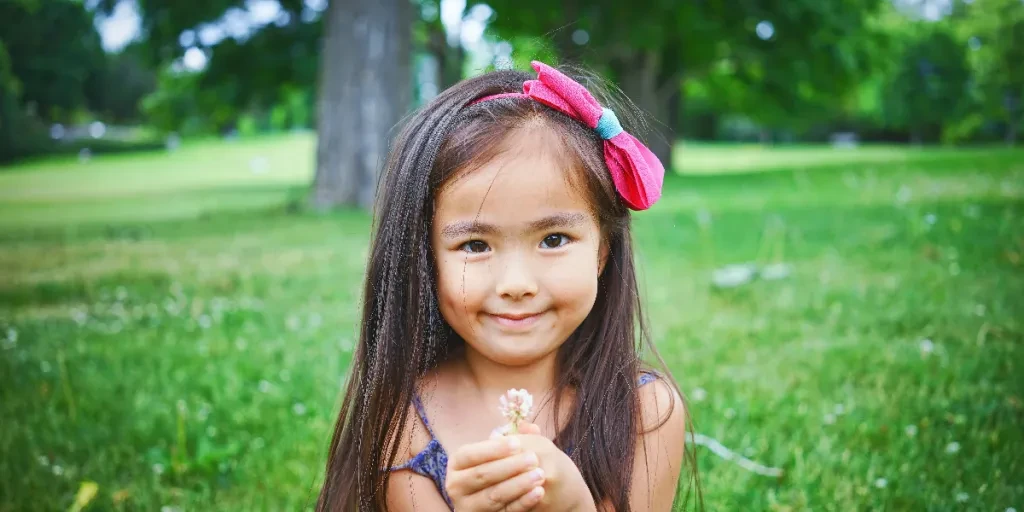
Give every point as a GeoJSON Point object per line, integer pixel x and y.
{"type": "Point", "coordinates": [515, 352]}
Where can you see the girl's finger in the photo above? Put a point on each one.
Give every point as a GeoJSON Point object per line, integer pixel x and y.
{"type": "Point", "coordinates": [527, 501]}
{"type": "Point", "coordinates": [485, 451]}
{"type": "Point", "coordinates": [529, 428]}
{"type": "Point", "coordinates": [505, 495]}
{"type": "Point", "coordinates": [472, 480]}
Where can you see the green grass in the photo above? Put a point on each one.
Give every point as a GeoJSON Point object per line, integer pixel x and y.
{"type": "Point", "coordinates": [172, 332]}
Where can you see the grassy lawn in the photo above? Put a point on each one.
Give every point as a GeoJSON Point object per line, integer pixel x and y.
{"type": "Point", "coordinates": [173, 332]}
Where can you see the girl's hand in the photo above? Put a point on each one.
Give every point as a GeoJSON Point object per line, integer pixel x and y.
{"type": "Point", "coordinates": [564, 486]}
{"type": "Point", "coordinates": [495, 475]}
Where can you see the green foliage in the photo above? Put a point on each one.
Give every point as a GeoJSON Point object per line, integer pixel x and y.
{"type": "Point", "coordinates": [55, 53]}
{"type": "Point", "coordinates": [929, 87]}
{"type": "Point", "coordinates": [998, 26]}
{"type": "Point", "coordinates": [169, 332]}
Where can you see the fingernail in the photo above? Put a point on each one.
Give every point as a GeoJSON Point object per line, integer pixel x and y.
{"type": "Point", "coordinates": [531, 459]}
{"type": "Point", "coordinates": [537, 493]}
{"type": "Point", "coordinates": [514, 443]}
{"type": "Point", "coordinates": [537, 475]}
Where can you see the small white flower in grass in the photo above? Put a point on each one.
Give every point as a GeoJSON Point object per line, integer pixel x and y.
{"type": "Point", "coordinates": [962, 497]}
{"type": "Point", "coordinates": [168, 508]}
{"type": "Point", "coordinates": [881, 483]}
{"type": "Point", "coordinates": [204, 412]}
{"type": "Point", "coordinates": [927, 346]}
{"type": "Point", "coordinates": [1010, 509]}
{"type": "Point", "coordinates": [12, 334]}
{"type": "Point", "coordinates": [516, 405]}
{"type": "Point", "coordinates": [911, 430]}
{"type": "Point", "coordinates": [264, 386]}
{"type": "Point", "coordinates": [43, 461]}
{"type": "Point", "coordinates": [699, 394]}
{"type": "Point", "coordinates": [79, 316]}
{"type": "Point", "coordinates": [952, 447]}
{"type": "Point", "coordinates": [57, 470]}
{"type": "Point", "coordinates": [293, 323]}
{"type": "Point", "coordinates": [299, 409]}
{"type": "Point", "coordinates": [158, 469]}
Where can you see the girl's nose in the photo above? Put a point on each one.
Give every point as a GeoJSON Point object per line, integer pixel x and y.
{"type": "Point", "coordinates": [515, 280]}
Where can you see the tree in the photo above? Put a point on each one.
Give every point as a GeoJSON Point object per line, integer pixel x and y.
{"type": "Point", "coordinates": [928, 86]}
{"type": "Point", "coordinates": [364, 91]}
{"type": "Point", "coordinates": [996, 29]}
{"type": "Point", "coordinates": [363, 85]}
{"type": "Point", "coordinates": [651, 49]}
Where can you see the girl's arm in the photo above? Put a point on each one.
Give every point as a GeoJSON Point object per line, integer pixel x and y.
{"type": "Point", "coordinates": [659, 453]}
{"type": "Point", "coordinates": [408, 491]}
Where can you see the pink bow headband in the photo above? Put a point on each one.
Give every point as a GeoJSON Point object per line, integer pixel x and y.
{"type": "Point", "coordinates": [636, 172]}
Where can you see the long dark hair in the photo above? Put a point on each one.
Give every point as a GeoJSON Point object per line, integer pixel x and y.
{"type": "Point", "coordinates": [403, 334]}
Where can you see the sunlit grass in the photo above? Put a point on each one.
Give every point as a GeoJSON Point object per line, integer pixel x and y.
{"type": "Point", "coordinates": [171, 332]}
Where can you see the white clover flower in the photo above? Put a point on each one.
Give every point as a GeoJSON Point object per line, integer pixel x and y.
{"type": "Point", "coordinates": [911, 430]}
{"type": "Point", "coordinates": [516, 405]}
{"type": "Point", "coordinates": [927, 346]}
{"type": "Point", "coordinates": [699, 394]}
{"type": "Point", "coordinates": [881, 483]}
{"type": "Point", "coordinates": [953, 447]}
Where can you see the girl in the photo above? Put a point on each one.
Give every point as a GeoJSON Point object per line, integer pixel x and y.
{"type": "Point", "coordinates": [501, 258]}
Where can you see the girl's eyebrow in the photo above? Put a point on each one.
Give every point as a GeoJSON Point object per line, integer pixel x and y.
{"type": "Point", "coordinates": [558, 220]}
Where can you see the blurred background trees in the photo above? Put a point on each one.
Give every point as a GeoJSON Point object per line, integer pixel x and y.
{"type": "Point", "coordinates": [904, 71]}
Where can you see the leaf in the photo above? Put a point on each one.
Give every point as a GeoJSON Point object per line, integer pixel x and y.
{"type": "Point", "coordinates": [86, 492]}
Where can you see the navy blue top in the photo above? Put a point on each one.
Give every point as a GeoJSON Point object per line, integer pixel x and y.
{"type": "Point", "coordinates": [432, 460]}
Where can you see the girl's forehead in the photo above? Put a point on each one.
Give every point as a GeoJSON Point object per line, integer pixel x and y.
{"type": "Point", "coordinates": [513, 185]}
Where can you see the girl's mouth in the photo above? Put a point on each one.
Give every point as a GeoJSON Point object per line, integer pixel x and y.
{"type": "Point", "coordinates": [516, 321]}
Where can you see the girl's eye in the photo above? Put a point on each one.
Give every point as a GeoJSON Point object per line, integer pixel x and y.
{"type": "Point", "coordinates": [554, 241]}
{"type": "Point", "coordinates": [474, 246]}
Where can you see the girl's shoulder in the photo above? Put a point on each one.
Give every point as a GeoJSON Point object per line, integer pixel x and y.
{"type": "Point", "coordinates": [661, 404]}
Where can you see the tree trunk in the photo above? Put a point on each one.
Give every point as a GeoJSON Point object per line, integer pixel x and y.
{"type": "Point", "coordinates": [365, 89]}
{"type": "Point", "coordinates": [450, 59]}
{"type": "Point", "coordinates": [642, 80]}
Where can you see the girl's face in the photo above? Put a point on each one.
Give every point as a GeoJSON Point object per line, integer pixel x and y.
{"type": "Point", "coordinates": [518, 254]}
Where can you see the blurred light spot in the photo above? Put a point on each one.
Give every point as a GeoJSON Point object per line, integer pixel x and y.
{"type": "Point", "coordinates": [316, 5]}
{"type": "Point", "coordinates": [187, 38]}
{"type": "Point", "coordinates": [210, 34]}
{"type": "Point", "coordinates": [881, 483]}
{"type": "Point", "coordinates": [974, 43]}
{"type": "Point", "coordinates": [194, 59]}
{"type": "Point", "coordinates": [120, 28]}
{"type": "Point", "coordinates": [158, 469]}
{"type": "Point", "coordinates": [299, 409]}
{"type": "Point", "coordinates": [429, 11]}
{"type": "Point", "coordinates": [927, 346]}
{"type": "Point", "coordinates": [57, 131]}
{"type": "Point", "coordinates": [452, 14]}
{"type": "Point", "coordinates": [829, 419]}
{"type": "Point", "coordinates": [953, 447]}
{"type": "Point", "coordinates": [580, 37]}
{"type": "Point", "coordinates": [911, 430]}
{"type": "Point", "coordinates": [262, 12]}
{"type": "Point", "coordinates": [97, 129]}
{"type": "Point", "coordinates": [962, 497]}
{"type": "Point", "coordinates": [283, 19]}
{"type": "Point", "coordinates": [699, 394]}
{"type": "Point", "coordinates": [765, 30]}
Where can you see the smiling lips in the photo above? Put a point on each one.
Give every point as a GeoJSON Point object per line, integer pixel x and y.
{"type": "Point", "coordinates": [516, 321]}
